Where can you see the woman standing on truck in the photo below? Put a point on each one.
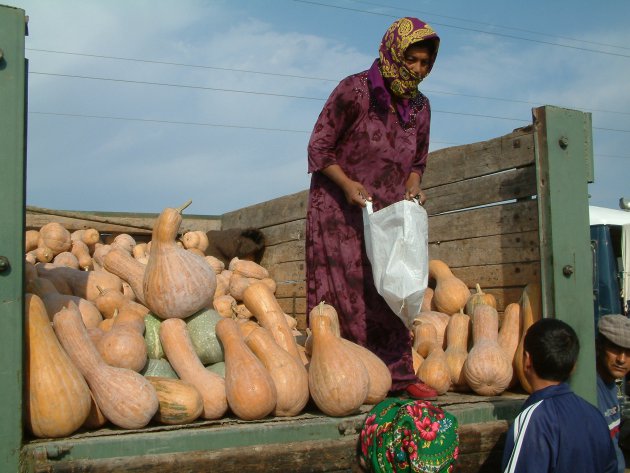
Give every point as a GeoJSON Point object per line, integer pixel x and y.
{"type": "Point", "coordinates": [370, 142]}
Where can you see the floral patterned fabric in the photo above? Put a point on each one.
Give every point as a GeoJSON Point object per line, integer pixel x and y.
{"type": "Point", "coordinates": [402, 435]}
{"type": "Point", "coordinates": [374, 146]}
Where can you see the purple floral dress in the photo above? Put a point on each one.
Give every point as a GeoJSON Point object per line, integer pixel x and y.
{"type": "Point", "coordinates": [373, 147]}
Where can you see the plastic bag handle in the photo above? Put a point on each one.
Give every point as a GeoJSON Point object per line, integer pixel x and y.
{"type": "Point", "coordinates": [368, 207]}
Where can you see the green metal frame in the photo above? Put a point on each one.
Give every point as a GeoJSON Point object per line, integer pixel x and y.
{"type": "Point", "coordinates": [564, 165]}
{"type": "Point", "coordinates": [12, 178]}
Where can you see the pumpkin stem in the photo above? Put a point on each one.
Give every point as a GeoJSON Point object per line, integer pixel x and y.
{"type": "Point", "coordinates": [321, 307]}
{"type": "Point", "coordinates": [479, 291]}
{"type": "Point", "coordinates": [181, 209]}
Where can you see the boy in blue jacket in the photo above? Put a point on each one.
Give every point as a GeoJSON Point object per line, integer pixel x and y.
{"type": "Point", "coordinates": [556, 430]}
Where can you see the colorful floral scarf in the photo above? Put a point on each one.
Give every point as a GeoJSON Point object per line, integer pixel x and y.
{"type": "Point", "coordinates": [406, 435]}
{"type": "Point", "coordinates": [389, 74]}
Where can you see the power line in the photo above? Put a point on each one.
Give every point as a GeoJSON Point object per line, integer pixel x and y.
{"type": "Point", "coordinates": [164, 84]}
{"type": "Point", "coordinates": [494, 25]}
{"type": "Point", "coordinates": [463, 28]}
{"type": "Point", "coordinates": [277, 74]}
{"type": "Point", "coordinates": [181, 64]}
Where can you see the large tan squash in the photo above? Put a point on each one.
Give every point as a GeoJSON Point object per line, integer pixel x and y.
{"type": "Point", "coordinates": [450, 293]}
{"type": "Point", "coordinates": [531, 312]}
{"type": "Point", "coordinates": [177, 283]}
{"type": "Point", "coordinates": [378, 372]}
{"type": "Point", "coordinates": [250, 389]}
{"type": "Point", "coordinates": [57, 396]}
{"type": "Point", "coordinates": [262, 303]}
{"type": "Point", "coordinates": [457, 349]}
{"type": "Point", "coordinates": [338, 380]}
{"type": "Point", "coordinates": [181, 355]}
{"type": "Point", "coordinates": [129, 269]}
{"type": "Point", "coordinates": [124, 397]}
{"type": "Point", "coordinates": [53, 235]}
{"type": "Point", "coordinates": [288, 373]}
{"type": "Point", "coordinates": [487, 369]}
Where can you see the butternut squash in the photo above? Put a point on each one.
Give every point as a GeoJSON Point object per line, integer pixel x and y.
{"type": "Point", "coordinates": [58, 398]}
{"type": "Point", "coordinates": [487, 369]}
{"type": "Point", "coordinates": [434, 371]}
{"type": "Point", "coordinates": [82, 253]}
{"type": "Point", "coordinates": [125, 242]}
{"type": "Point", "coordinates": [180, 402]}
{"type": "Point", "coordinates": [225, 306]}
{"type": "Point", "coordinates": [182, 357]}
{"type": "Point", "coordinates": [95, 419]}
{"type": "Point", "coordinates": [41, 255]}
{"type": "Point", "coordinates": [66, 258]}
{"type": "Point", "coordinates": [450, 293]}
{"type": "Point", "coordinates": [531, 312]}
{"type": "Point", "coordinates": [251, 392]}
{"type": "Point", "coordinates": [123, 346]}
{"type": "Point", "coordinates": [196, 239]}
{"type": "Point", "coordinates": [417, 361]}
{"type": "Point", "coordinates": [378, 372]}
{"type": "Point", "coordinates": [83, 283]}
{"type": "Point", "coordinates": [176, 283]}
{"type": "Point", "coordinates": [248, 269]}
{"type": "Point", "coordinates": [261, 302]}
{"type": "Point", "coordinates": [479, 297]}
{"type": "Point", "coordinates": [89, 236]}
{"type": "Point", "coordinates": [457, 349]}
{"type": "Point", "coordinates": [125, 397]}
{"type": "Point", "coordinates": [510, 336]}
{"type": "Point", "coordinates": [54, 301]}
{"type": "Point", "coordinates": [338, 380]}
{"type": "Point", "coordinates": [216, 264]}
{"type": "Point", "coordinates": [289, 375]}
{"type": "Point", "coordinates": [439, 320]}
{"type": "Point", "coordinates": [123, 265]}
{"type": "Point", "coordinates": [427, 301]}
{"type": "Point", "coordinates": [424, 338]}
{"type": "Point", "coordinates": [54, 236]}
{"type": "Point", "coordinates": [31, 237]}
{"type": "Point", "coordinates": [98, 255]}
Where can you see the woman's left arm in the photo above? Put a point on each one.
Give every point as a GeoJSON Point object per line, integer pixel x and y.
{"type": "Point", "coordinates": [413, 188]}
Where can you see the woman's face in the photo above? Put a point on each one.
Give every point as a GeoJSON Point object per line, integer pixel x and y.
{"type": "Point", "coordinates": [418, 59]}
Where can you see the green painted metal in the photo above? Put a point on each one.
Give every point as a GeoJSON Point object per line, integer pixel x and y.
{"type": "Point", "coordinates": [563, 146]}
{"type": "Point", "coordinates": [12, 178]}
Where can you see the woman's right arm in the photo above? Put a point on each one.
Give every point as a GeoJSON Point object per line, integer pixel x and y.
{"type": "Point", "coordinates": [337, 118]}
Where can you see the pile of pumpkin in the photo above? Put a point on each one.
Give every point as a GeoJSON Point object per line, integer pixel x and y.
{"type": "Point", "coordinates": [130, 333]}
{"type": "Point", "coordinates": [459, 342]}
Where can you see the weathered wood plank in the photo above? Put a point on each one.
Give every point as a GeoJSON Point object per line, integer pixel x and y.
{"type": "Point", "coordinates": [292, 271]}
{"type": "Point", "coordinates": [499, 275]}
{"type": "Point", "coordinates": [493, 220]}
{"type": "Point", "coordinates": [284, 232]}
{"type": "Point", "coordinates": [107, 222]}
{"type": "Point", "coordinates": [504, 186]}
{"type": "Point", "coordinates": [312, 456]}
{"type": "Point", "coordinates": [458, 163]}
{"type": "Point", "coordinates": [273, 212]}
{"type": "Point", "coordinates": [291, 289]}
{"type": "Point", "coordinates": [282, 253]}
{"type": "Point", "coordinates": [495, 249]}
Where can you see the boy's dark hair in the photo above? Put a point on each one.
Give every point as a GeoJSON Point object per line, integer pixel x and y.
{"type": "Point", "coordinates": [553, 347]}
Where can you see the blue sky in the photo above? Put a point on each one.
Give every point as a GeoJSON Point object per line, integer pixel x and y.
{"type": "Point", "coordinates": [181, 125]}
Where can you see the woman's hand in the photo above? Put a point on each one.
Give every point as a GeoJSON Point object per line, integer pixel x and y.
{"type": "Point", "coordinates": [354, 191]}
{"type": "Point", "coordinates": [413, 189]}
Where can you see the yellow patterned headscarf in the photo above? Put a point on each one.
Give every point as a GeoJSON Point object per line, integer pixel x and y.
{"type": "Point", "coordinates": [400, 35]}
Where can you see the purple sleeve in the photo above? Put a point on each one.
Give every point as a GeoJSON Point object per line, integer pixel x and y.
{"type": "Point", "coordinates": [340, 112]}
{"type": "Point", "coordinates": [420, 162]}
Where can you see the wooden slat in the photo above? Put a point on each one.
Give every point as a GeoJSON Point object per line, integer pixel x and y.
{"type": "Point", "coordinates": [499, 275]}
{"type": "Point", "coordinates": [284, 232]}
{"type": "Point", "coordinates": [292, 271]}
{"type": "Point", "coordinates": [273, 212]}
{"type": "Point", "coordinates": [285, 252]}
{"type": "Point", "coordinates": [504, 186]}
{"type": "Point", "coordinates": [495, 249]}
{"type": "Point", "coordinates": [291, 289]}
{"type": "Point", "coordinates": [451, 165]}
{"type": "Point", "coordinates": [113, 223]}
{"type": "Point", "coordinates": [494, 220]}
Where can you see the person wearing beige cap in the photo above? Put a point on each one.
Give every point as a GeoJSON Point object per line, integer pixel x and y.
{"type": "Point", "coordinates": [613, 362]}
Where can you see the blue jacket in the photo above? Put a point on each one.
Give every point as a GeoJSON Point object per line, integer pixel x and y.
{"type": "Point", "coordinates": [558, 432]}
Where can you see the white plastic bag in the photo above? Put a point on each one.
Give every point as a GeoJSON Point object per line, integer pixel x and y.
{"type": "Point", "coordinates": [396, 241]}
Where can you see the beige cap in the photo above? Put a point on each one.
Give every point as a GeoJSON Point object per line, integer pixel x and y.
{"type": "Point", "coordinates": [616, 328]}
